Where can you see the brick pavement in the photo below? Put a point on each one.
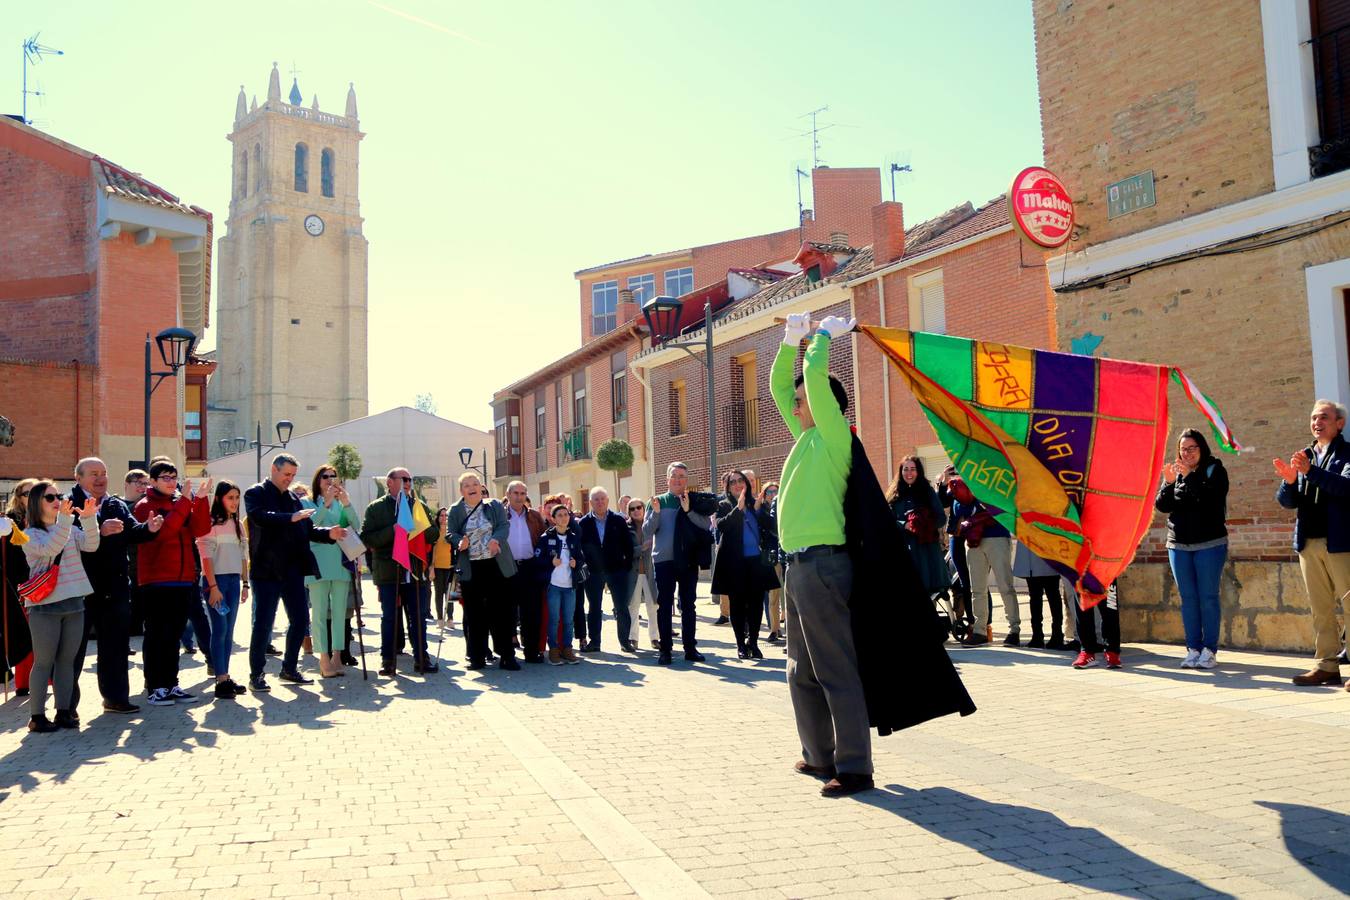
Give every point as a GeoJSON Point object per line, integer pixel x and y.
{"type": "Point", "coordinates": [621, 778]}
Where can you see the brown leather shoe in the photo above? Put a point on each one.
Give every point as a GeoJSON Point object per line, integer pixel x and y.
{"type": "Point", "coordinates": [806, 768]}
{"type": "Point", "coordinates": [1317, 676]}
{"type": "Point", "coordinates": [846, 783]}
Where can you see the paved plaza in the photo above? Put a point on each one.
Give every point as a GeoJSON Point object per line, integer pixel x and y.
{"type": "Point", "coordinates": [620, 778]}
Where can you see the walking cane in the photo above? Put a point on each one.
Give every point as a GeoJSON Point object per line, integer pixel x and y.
{"type": "Point", "coordinates": [4, 601]}
{"type": "Point", "coordinates": [360, 625]}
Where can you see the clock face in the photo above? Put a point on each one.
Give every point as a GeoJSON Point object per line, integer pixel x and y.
{"type": "Point", "coordinates": [314, 225]}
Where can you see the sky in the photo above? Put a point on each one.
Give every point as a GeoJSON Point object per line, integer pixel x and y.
{"type": "Point", "coordinates": [510, 144]}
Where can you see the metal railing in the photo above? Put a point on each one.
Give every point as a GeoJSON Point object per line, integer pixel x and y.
{"type": "Point", "coordinates": [1331, 62]}
{"type": "Point", "coordinates": [739, 424]}
{"type": "Point", "coordinates": [575, 445]}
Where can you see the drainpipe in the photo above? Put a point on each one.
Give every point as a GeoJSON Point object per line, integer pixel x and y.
{"type": "Point", "coordinates": [647, 425]}
{"type": "Point", "coordinates": [885, 379]}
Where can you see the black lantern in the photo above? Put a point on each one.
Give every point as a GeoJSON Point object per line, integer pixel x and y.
{"type": "Point", "coordinates": [225, 445]}
{"type": "Point", "coordinates": [174, 346]}
{"type": "Point", "coordinates": [284, 429]}
{"type": "Point", "coordinates": [465, 457]}
{"type": "Point", "coordinates": [663, 318]}
{"type": "Point", "coordinates": [240, 444]}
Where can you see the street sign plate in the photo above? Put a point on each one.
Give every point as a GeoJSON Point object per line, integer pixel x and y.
{"type": "Point", "coordinates": [1134, 193]}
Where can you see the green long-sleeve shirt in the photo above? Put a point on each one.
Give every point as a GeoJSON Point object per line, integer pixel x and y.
{"type": "Point", "coordinates": [811, 491]}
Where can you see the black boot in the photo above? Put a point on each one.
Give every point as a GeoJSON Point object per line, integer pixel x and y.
{"type": "Point", "coordinates": [1056, 641]}
{"type": "Point", "coordinates": [1037, 638]}
{"type": "Point", "coordinates": [41, 725]}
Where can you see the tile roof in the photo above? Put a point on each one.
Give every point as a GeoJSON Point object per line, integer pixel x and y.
{"type": "Point", "coordinates": [955, 225]}
{"type": "Point", "coordinates": [114, 179]}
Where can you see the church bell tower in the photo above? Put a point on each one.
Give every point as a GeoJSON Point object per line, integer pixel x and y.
{"type": "Point", "coordinates": [291, 270]}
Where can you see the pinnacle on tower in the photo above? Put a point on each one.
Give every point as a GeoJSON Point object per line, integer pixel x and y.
{"type": "Point", "coordinates": [274, 84]}
{"type": "Point", "coordinates": [254, 107]}
{"type": "Point", "coordinates": [296, 98]}
{"type": "Point", "coordinates": [351, 100]}
{"type": "Point", "coordinates": [315, 105]}
{"type": "Point", "coordinates": [240, 105]}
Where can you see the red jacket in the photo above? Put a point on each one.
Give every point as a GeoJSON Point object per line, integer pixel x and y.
{"type": "Point", "coordinates": [171, 558]}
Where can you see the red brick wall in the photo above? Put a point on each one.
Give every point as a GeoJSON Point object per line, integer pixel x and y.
{"type": "Point", "coordinates": [52, 407]}
{"type": "Point", "coordinates": [844, 199]}
{"type": "Point", "coordinates": [994, 290]}
{"type": "Point", "coordinates": [138, 293]}
{"type": "Point", "coordinates": [775, 441]}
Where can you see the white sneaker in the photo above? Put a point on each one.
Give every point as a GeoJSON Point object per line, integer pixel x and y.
{"type": "Point", "coordinates": [160, 697]}
{"type": "Point", "coordinates": [1207, 660]}
{"type": "Point", "coordinates": [1192, 657]}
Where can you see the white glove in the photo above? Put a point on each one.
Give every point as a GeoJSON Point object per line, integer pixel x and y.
{"type": "Point", "coordinates": [6, 526]}
{"type": "Point", "coordinates": [834, 326]}
{"type": "Point", "coordinates": [798, 327]}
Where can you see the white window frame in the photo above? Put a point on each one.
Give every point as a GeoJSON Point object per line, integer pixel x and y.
{"type": "Point", "coordinates": [1291, 90]}
{"type": "Point", "coordinates": [605, 317]}
{"type": "Point", "coordinates": [918, 321]}
{"type": "Point", "coordinates": [684, 274]}
{"type": "Point", "coordinates": [1326, 285]}
{"type": "Point", "coordinates": [643, 287]}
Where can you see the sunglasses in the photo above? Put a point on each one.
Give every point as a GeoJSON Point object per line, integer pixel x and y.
{"type": "Point", "coordinates": [771, 492]}
{"type": "Point", "coordinates": [51, 498]}
{"type": "Point", "coordinates": [328, 476]}
{"type": "Point", "coordinates": [405, 479]}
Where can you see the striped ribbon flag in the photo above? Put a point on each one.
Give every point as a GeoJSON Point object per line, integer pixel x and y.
{"type": "Point", "coordinates": [1065, 449]}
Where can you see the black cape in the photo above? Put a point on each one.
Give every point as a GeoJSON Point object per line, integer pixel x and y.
{"type": "Point", "coordinates": [906, 674]}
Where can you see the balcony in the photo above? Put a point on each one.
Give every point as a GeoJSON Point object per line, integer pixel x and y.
{"type": "Point", "coordinates": [575, 445]}
{"type": "Point", "coordinates": [1331, 67]}
{"type": "Point", "coordinates": [739, 424]}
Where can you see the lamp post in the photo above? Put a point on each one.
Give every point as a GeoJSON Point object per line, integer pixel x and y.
{"type": "Point", "coordinates": [466, 460]}
{"type": "Point", "coordinates": [175, 344]}
{"type": "Point", "coordinates": [663, 320]}
{"type": "Point", "coordinates": [284, 429]}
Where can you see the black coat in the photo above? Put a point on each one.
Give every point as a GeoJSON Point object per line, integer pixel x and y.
{"type": "Point", "coordinates": [615, 554]}
{"type": "Point", "coordinates": [733, 571]}
{"type": "Point", "coordinates": [1196, 504]}
{"type": "Point", "coordinates": [906, 674]}
{"type": "Point", "coordinates": [107, 566]}
{"type": "Point", "coordinates": [549, 547]}
{"type": "Point", "coordinates": [276, 545]}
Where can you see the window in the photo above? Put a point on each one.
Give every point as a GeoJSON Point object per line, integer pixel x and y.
{"type": "Point", "coordinates": [678, 423]}
{"type": "Point", "coordinates": [679, 281]}
{"type": "Point", "coordinates": [604, 307]}
{"type": "Point", "coordinates": [643, 288]}
{"type": "Point", "coordinates": [500, 438]}
{"type": "Point", "coordinates": [241, 182]}
{"type": "Point", "coordinates": [540, 421]}
{"type": "Point", "coordinates": [1331, 66]}
{"type": "Point", "coordinates": [326, 172]}
{"type": "Point", "coordinates": [302, 168]}
{"type": "Point", "coordinates": [618, 386]}
{"type": "Point", "coordinates": [558, 411]}
{"type": "Point", "coordinates": [580, 419]}
{"type": "Point", "coordinates": [257, 168]}
{"type": "Point", "coordinates": [927, 303]}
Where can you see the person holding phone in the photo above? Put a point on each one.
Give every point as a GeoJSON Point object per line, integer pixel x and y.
{"type": "Point", "coordinates": [280, 530]}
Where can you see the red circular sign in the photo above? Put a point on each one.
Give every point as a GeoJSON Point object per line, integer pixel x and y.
{"type": "Point", "coordinates": [1041, 207]}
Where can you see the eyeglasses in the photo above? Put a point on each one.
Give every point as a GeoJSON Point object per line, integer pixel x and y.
{"type": "Point", "coordinates": [328, 476]}
{"type": "Point", "coordinates": [173, 477]}
{"type": "Point", "coordinates": [51, 498]}
{"type": "Point", "coordinates": [404, 478]}
{"type": "Point", "coordinates": [771, 492]}
{"type": "Point", "coordinates": [635, 508]}
{"type": "Point", "coordinates": [1191, 449]}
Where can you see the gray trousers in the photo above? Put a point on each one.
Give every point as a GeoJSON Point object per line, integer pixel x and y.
{"type": "Point", "coordinates": [56, 642]}
{"type": "Point", "coordinates": [822, 666]}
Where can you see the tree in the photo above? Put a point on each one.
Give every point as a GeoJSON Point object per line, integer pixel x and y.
{"type": "Point", "coordinates": [616, 456]}
{"type": "Point", "coordinates": [346, 460]}
{"type": "Point", "coordinates": [425, 403]}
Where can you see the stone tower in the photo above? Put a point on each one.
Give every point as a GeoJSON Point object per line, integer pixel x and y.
{"type": "Point", "coordinates": [291, 271]}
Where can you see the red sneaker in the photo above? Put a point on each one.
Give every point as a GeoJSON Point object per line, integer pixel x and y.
{"type": "Point", "coordinates": [1112, 660]}
{"type": "Point", "coordinates": [1085, 660]}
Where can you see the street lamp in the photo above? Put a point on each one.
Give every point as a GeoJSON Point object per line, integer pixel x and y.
{"type": "Point", "coordinates": [466, 460]}
{"type": "Point", "coordinates": [240, 444]}
{"type": "Point", "coordinates": [663, 321]}
{"type": "Point", "coordinates": [225, 446]}
{"type": "Point", "coordinates": [284, 429]}
{"type": "Point", "coordinates": [175, 344]}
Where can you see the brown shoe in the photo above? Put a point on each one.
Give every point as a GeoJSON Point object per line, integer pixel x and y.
{"type": "Point", "coordinates": [569, 655]}
{"type": "Point", "coordinates": [1317, 676]}
{"type": "Point", "coordinates": [846, 783]}
{"type": "Point", "coordinates": [806, 768]}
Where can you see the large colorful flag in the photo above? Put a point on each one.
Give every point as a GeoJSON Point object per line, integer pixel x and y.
{"type": "Point", "coordinates": [410, 521]}
{"type": "Point", "coordinates": [1064, 449]}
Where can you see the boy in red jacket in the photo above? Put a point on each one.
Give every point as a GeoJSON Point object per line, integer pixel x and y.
{"type": "Point", "coordinates": [167, 572]}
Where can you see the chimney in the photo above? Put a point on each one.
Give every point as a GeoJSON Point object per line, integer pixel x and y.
{"type": "Point", "coordinates": [808, 216]}
{"type": "Point", "coordinates": [628, 309]}
{"type": "Point", "coordinates": [888, 232]}
{"type": "Point", "coordinates": [839, 238]}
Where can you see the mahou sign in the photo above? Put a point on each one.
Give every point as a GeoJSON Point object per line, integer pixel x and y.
{"type": "Point", "coordinates": [1041, 207]}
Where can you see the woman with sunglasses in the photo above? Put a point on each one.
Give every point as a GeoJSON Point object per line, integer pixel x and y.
{"type": "Point", "coordinates": [57, 620]}
{"type": "Point", "coordinates": [329, 592]}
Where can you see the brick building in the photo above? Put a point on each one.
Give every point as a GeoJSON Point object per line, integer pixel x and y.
{"type": "Point", "coordinates": [548, 424]}
{"type": "Point", "coordinates": [1214, 209]}
{"type": "Point", "coordinates": [964, 272]}
{"type": "Point", "coordinates": [92, 256]}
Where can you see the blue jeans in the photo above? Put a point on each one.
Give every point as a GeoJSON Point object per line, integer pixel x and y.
{"type": "Point", "coordinates": [620, 589]}
{"type": "Point", "coordinates": [222, 622]}
{"type": "Point", "coordinates": [1197, 576]}
{"type": "Point", "coordinates": [561, 606]}
{"type": "Point", "coordinates": [266, 596]}
{"type": "Point", "coordinates": [198, 625]}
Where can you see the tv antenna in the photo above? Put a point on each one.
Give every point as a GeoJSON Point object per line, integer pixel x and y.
{"type": "Point", "coordinates": [898, 164]}
{"type": "Point", "coordinates": [33, 50]}
{"type": "Point", "coordinates": [799, 174]}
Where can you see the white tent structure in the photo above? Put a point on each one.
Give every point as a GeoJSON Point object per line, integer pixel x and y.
{"type": "Point", "coordinates": [425, 444]}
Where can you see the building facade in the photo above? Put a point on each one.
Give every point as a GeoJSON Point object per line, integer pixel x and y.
{"type": "Point", "coordinates": [549, 424]}
{"type": "Point", "coordinates": [292, 270]}
{"type": "Point", "coordinates": [1213, 204]}
{"type": "Point", "coordinates": [92, 257]}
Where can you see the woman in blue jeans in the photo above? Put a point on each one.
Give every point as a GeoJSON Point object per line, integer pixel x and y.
{"type": "Point", "coordinates": [1194, 494]}
{"type": "Point", "coordinates": [558, 558]}
{"type": "Point", "coordinates": [224, 582]}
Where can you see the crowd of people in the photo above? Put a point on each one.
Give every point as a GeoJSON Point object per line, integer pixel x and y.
{"type": "Point", "coordinates": [172, 559]}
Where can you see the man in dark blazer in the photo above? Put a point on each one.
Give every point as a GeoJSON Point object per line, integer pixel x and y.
{"type": "Point", "coordinates": [608, 548]}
